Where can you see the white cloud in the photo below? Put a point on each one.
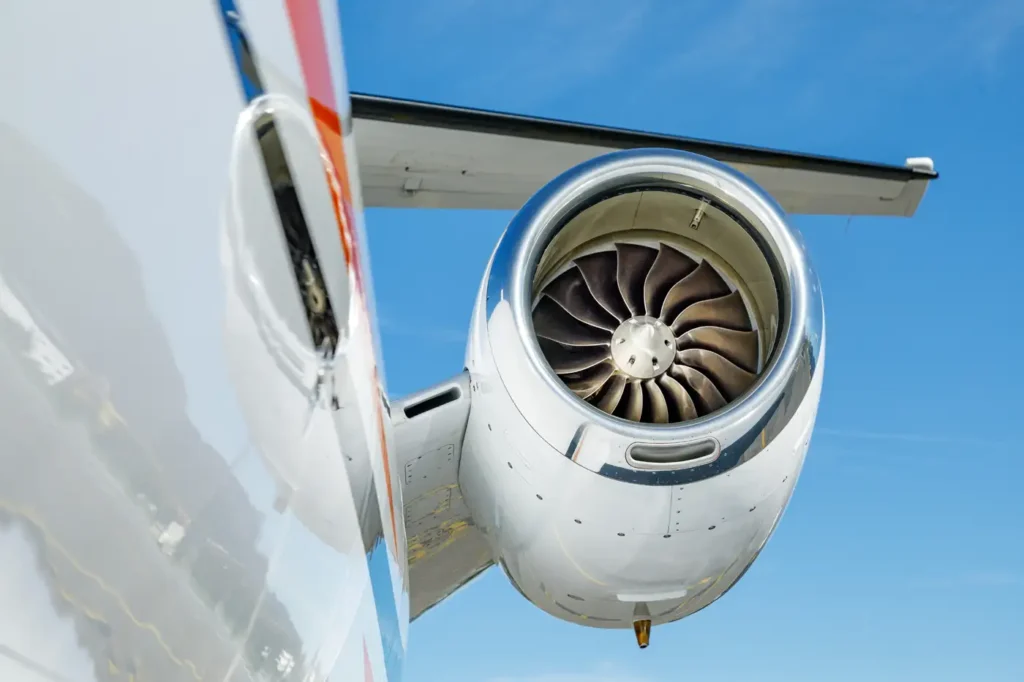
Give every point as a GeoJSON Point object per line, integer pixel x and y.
{"type": "Point", "coordinates": [905, 437]}
{"type": "Point", "coordinates": [994, 579]}
{"type": "Point", "coordinates": [980, 579]}
{"type": "Point", "coordinates": [568, 44]}
{"type": "Point", "coordinates": [992, 29]}
{"type": "Point", "coordinates": [899, 39]}
{"type": "Point", "coordinates": [605, 671]}
{"type": "Point", "coordinates": [573, 677]}
{"type": "Point", "coordinates": [551, 47]}
{"type": "Point", "coordinates": [567, 677]}
{"type": "Point", "coordinates": [744, 41]}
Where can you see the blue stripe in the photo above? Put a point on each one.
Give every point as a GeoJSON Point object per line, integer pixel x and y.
{"type": "Point", "coordinates": [387, 610]}
{"type": "Point", "coordinates": [251, 86]}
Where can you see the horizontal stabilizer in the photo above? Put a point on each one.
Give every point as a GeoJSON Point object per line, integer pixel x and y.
{"type": "Point", "coordinates": [419, 155]}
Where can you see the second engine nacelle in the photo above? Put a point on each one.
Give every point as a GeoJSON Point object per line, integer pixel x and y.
{"type": "Point", "coordinates": [646, 358]}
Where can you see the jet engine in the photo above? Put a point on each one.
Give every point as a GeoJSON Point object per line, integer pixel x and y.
{"type": "Point", "coordinates": [645, 363]}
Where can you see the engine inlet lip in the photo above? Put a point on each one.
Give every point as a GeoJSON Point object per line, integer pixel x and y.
{"type": "Point", "coordinates": [801, 320]}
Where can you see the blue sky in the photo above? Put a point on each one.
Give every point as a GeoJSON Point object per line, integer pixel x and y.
{"type": "Point", "coordinates": [900, 557]}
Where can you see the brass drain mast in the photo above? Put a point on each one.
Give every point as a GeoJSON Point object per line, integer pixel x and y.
{"type": "Point", "coordinates": [642, 625]}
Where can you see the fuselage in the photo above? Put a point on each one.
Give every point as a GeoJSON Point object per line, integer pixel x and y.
{"type": "Point", "coordinates": [195, 480]}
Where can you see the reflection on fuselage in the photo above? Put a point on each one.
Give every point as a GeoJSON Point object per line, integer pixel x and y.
{"type": "Point", "coordinates": [145, 538]}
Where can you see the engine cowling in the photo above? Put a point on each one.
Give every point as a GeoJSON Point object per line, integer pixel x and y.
{"type": "Point", "coordinates": [646, 358]}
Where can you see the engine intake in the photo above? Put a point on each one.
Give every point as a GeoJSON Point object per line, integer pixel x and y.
{"type": "Point", "coordinates": [640, 318]}
{"type": "Point", "coordinates": [662, 296]}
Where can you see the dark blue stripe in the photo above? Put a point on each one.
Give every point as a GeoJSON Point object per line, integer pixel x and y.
{"type": "Point", "coordinates": [240, 48]}
{"type": "Point", "coordinates": [574, 443]}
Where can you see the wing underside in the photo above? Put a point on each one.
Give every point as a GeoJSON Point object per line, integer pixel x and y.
{"type": "Point", "coordinates": [419, 155]}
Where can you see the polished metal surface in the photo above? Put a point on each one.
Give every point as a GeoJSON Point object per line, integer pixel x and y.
{"type": "Point", "coordinates": [125, 521]}
{"type": "Point", "coordinates": [175, 504]}
{"type": "Point", "coordinates": [756, 413]}
{"type": "Point", "coordinates": [643, 347]}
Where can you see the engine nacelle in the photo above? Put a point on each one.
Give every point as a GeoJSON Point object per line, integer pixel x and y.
{"type": "Point", "coordinates": [646, 358]}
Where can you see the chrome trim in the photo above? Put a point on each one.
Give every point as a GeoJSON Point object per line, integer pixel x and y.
{"type": "Point", "coordinates": [746, 426]}
{"type": "Point", "coordinates": [710, 446]}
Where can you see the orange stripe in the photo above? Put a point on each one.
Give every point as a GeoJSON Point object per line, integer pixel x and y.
{"type": "Point", "coordinates": [337, 182]}
{"type": "Point", "coordinates": [307, 31]}
{"type": "Point", "coordinates": [579, 446]}
{"type": "Point", "coordinates": [387, 463]}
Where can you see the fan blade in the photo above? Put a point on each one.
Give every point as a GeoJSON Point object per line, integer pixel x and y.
{"type": "Point", "coordinates": [612, 394]}
{"type": "Point", "coordinates": [730, 379]}
{"type": "Point", "coordinates": [570, 291]}
{"type": "Point", "coordinates": [726, 311]}
{"type": "Point", "coordinates": [590, 380]}
{"type": "Point", "coordinates": [656, 400]}
{"type": "Point", "coordinates": [598, 270]}
{"type": "Point", "coordinates": [585, 393]}
{"type": "Point", "coordinates": [631, 406]}
{"type": "Point", "coordinates": [700, 284]}
{"type": "Point", "coordinates": [669, 267]}
{"type": "Point", "coordinates": [738, 347]}
{"type": "Point", "coordinates": [565, 359]}
{"type": "Point", "coordinates": [680, 404]}
{"type": "Point", "coordinates": [553, 322]}
{"type": "Point", "coordinates": [708, 397]}
{"type": "Point", "coordinates": [634, 262]}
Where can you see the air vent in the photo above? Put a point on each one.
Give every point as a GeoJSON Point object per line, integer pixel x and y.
{"type": "Point", "coordinates": [673, 455]}
{"type": "Point", "coordinates": [432, 403]}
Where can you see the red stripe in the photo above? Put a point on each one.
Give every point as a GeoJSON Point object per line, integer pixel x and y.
{"type": "Point", "coordinates": [307, 31]}
{"type": "Point", "coordinates": [307, 28]}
